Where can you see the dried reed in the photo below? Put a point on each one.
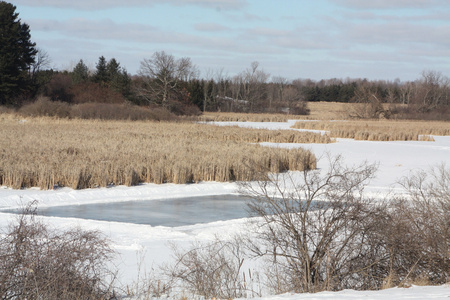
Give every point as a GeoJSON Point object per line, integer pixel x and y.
{"type": "Point", "coordinates": [318, 111]}
{"type": "Point", "coordinates": [380, 130]}
{"type": "Point", "coordinates": [46, 152]}
{"type": "Point", "coordinates": [243, 117]}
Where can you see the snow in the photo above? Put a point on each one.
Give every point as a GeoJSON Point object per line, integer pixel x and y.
{"type": "Point", "coordinates": [142, 247]}
{"type": "Point", "coordinates": [414, 293]}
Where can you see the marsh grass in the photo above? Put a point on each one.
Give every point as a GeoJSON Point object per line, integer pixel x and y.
{"type": "Point", "coordinates": [380, 130]}
{"type": "Point", "coordinates": [318, 111]}
{"type": "Point", "coordinates": [46, 152]}
{"type": "Point", "coordinates": [243, 117]}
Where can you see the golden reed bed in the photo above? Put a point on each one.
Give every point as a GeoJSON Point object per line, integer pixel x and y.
{"type": "Point", "coordinates": [45, 152]}
{"type": "Point", "coordinates": [380, 130]}
{"type": "Point", "coordinates": [318, 111]}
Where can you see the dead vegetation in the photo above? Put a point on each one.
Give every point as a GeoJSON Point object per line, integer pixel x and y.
{"type": "Point", "coordinates": [318, 111]}
{"type": "Point", "coordinates": [381, 130]}
{"type": "Point", "coordinates": [319, 231]}
{"type": "Point", "coordinates": [243, 117]}
{"type": "Point", "coordinates": [38, 262]}
{"type": "Point", "coordinates": [47, 152]}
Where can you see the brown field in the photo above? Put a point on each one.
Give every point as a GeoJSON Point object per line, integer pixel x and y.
{"type": "Point", "coordinates": [380, 130]}
{"type": "Point", "coordinates": [45, 152]}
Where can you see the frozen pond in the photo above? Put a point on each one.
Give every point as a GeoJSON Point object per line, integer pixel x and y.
{"type": "Point", "coordinates": [169, 212]}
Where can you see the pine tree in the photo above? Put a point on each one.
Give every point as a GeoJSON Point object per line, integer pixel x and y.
{"type": "Point", "coordinates": [17, 54]}
{"type": "Point", "coordinates": [80, 73]}
{"type": "Point", "coordinates": [113, 68]}
{"type": "Point", "coordinates": [118, 77]}
{"type": "Point", "coordinates": [101, 73]}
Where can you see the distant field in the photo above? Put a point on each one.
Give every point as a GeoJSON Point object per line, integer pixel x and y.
{"type": "Point", "coordinates": [380, 130]}
{"type": "Point", "coordinates": [45, 152]}
{"type": "Point", "coordinates": [318, 111]}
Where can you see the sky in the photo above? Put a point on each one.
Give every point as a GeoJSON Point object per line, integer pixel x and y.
{"type": "Point", "coordinates": [320, 39]}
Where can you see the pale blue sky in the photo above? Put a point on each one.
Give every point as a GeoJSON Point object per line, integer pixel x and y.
{"type": "Point", "coordinates": [317, 39]}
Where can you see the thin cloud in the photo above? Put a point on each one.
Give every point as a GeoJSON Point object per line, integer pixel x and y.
{"type": "Point", "coordinates": [210, 27]}
{"type": "Point", "coordinates": [392, 4]}
{"type": "Point", "coordinates": [105, 4]}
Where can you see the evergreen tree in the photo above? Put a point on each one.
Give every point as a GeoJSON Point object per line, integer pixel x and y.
{"type": "Point", "coordinates": [80, 73]}
{"type": "Point", "coordinates": [113, 68]}
{"type": "Point", "coordinates": [17, 54]}
{"type": "Point", "coordinates": [195, 89]}
{"type": "Point", "coordinates": [101, 73]}
{"type": "Point", "coordinates": [118, 78]}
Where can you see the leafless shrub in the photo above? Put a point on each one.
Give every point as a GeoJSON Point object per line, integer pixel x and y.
{"type": "Point", "coordinates": [39, 263]}
{"type": "Point", "coordinates": [367, 104]}
{"type": "Point", "coordinates": [6, 110]}
{"type": "Point", "coordinates": [320, 233]}
{"type": "Point", "coordinates": [212, 270]}
{"type": "Point", "coordinates": [43, 106]}
{"type": "Point", "coordinates": [59, 88]}
{"type": "Point", "coordinates": [108, 111]}
{"type": "Point", "coordinates": [313, 225]}
{"type": "Point", "coordinates": [148, 285]}
{"type": "Point", "coordinates": [420, 228]}
{"type": "Point", "coordinates": [91, 92]}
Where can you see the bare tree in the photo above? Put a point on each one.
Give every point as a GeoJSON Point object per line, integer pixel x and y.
{"type": "Point", "coordinates": [280, 83]}
{"type": "Point", "coordinates": [254, 85]}
{"type": "Point", "coordinates": [368, 104]}
{"type": "Point", "coordinates": [431, 92]}
{"type": "Point", "coordinates": [163, 74]}
{"type": "Point", "coordinates": [313, 225]}
{"type": "Point", "coordinates": [294, 101]}
{"type": "Point", "coordinates": [42, 60]}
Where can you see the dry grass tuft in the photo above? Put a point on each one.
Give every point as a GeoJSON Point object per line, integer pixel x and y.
{"type": "Point", "coordinates": [47, 152]}
{"type": "Point", "coordinates": [381, 130]}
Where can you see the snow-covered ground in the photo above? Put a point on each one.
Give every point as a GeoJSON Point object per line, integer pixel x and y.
{"type": "Point", "coordinates": [142, 247]}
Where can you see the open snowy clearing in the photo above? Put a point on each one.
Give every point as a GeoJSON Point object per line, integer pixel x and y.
{"type": "Point", "coordinates": [148, 246]}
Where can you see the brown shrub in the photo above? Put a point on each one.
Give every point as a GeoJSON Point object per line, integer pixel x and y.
{"type": "Point", "coordinates": [95, 93]}
{"type": "Point", "coordinates": [108, 111]}
{"type": "Point", "coordinates": [39, 263]}
{"type": "Point", "coordinates": [43, 106]}
{"type": "Point", "coordinates": [58, 89]}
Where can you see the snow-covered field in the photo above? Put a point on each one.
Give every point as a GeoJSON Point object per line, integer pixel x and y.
{"type": "Point", "coordinates": [143, 247]}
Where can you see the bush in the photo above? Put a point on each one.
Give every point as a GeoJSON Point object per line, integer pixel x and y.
{"type": "Point", "coordinates": [320, 233]}
{"type": "Point", "coordinates": [211, 270]}
{"type": "Point", "coordinates": [43, 106]}
{"type": "Point", "coordinates": [96, 93]}
{"type": "Point", "coordinates": [417, 229]}
{"type": "Point", "coordinates": [312, 225]}
{"type": "Point", "coordinates": [107, 111]}
{"type": "Point", "coordinates": [58, 88]}
{"type": "Point", "coordinates": [39, 263]}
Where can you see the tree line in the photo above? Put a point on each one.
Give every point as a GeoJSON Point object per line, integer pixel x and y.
{"type": "Point", "coordinates": [177, 86]}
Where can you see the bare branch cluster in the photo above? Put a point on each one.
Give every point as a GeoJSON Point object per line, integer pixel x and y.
{"type": "Point", "coordinates": [163, 74]}
{"type": "Point", "coordinates": [39, 263]}
{"type": "Point", "coordinates": [213, 270]}
{"type": "Point", "coordinates": [319, 231]}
